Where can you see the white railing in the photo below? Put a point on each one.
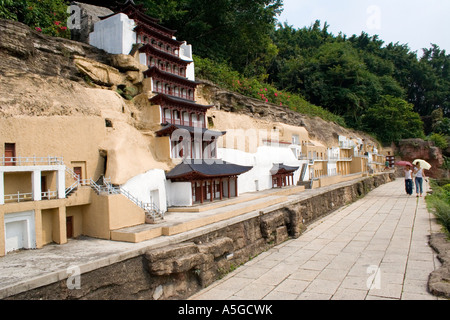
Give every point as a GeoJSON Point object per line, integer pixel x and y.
{"type": "Point", "coordinates": [31, 161]}
{"type": "Point", "coordinates": [22, 197]}
{"type": "Point", "coordinates": [49, 195]}
{"type": "Point", "coordinates": [346, 145]}
{"type": "Point", "coordinates": [18, 197]}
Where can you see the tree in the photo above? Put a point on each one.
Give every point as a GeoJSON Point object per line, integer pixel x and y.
{"type": "Point", "coordinates": [393, 119]}
{"type": "Point", "coordinates": [232, 31]}
{"type": "Point", "coordinates": [432, 82]}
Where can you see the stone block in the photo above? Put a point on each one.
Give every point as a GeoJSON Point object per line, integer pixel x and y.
{"type": "Point", "coordinates": [218, 247]}
{"type": "Point", "coordinates": [269, 224]}
{"type": "Point", "coordinates": [281, 235]}
{"type": "Point", "coordinates": [174, 259]}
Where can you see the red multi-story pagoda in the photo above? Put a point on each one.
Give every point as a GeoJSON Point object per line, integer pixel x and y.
{"type": "Point", "coordinates": [173, 85]}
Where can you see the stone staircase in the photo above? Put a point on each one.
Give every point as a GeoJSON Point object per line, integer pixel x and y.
{"type": "Point", "coordinates": [103, 186]}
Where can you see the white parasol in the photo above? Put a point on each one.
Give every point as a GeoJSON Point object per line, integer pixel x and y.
{"type": "Point", "coordinates": [423, 164]}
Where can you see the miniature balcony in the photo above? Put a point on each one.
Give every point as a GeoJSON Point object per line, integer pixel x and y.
{"type": "Point", "coordinates": [31, 179]}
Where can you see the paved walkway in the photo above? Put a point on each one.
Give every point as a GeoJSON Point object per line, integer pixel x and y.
{"type": "Point", "coordinates": [375, 248]}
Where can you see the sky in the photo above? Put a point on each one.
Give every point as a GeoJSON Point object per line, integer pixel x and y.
{"type": "Point", "coordinates": [416, 23]}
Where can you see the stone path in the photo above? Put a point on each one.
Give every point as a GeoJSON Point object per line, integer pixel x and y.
{"type": "Point", "coordinates": [375, 248]}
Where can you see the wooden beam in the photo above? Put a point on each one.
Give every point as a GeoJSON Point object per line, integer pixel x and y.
{"type": "Point", "coordinates": [201, 191]}
{"type": "Point", "coordinates": [212, 189]}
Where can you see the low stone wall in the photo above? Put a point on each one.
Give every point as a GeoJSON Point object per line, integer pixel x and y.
{"type": "Point", "coordinates": [439, 280]}
{"type": "Point", "coordinates": [180, 270]}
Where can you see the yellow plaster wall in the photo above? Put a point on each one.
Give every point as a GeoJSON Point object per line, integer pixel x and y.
{"type": "Point", "coordinates": [47, 225]}
{"type": "Point", "coordinates": [73, 138]}
{"type": "Point", "coordinates": [95, 218]}
{"type": "Point", "coordinates": [124, 213]}
{"type": "Point", "coordinates": [110, 212]}
{"type": "Point", "coordinates": [17, 182]}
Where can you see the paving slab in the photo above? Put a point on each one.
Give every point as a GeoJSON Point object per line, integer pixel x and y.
{"type": "Point", "coordinates": [374, 249]}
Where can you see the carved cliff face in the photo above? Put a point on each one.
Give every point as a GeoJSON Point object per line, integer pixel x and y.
{"type": "Point", "coordinates": [44, 76]}
{"type": "Point", "coordinates": [411, 149]}
{"type": "Point", "coordinates": [318, 129]}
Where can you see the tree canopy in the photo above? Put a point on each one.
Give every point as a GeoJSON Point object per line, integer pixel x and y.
{"type": "Point", "coordinates": [357, 78]}
{"type": "Point", "coordinates": [353, 77]}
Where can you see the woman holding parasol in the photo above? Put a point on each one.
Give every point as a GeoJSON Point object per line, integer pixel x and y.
{"type": "Point", "coordinates": [420, 175]}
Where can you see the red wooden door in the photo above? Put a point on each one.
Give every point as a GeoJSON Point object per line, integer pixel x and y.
{"type": "Point", "coordinates": [78, 172]}
{"type": "Point", "coordinates": [10, 154]}
{"type": "Point", "coordinates": [69, 227]}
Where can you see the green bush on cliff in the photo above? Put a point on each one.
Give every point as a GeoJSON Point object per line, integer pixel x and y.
{"type": "Point", "coordinates": [46, 16]}
{"type": "Point", "coordinates": [439, 140]}
{"type": "Point", "coordinates": [224, 76]}
{"type": "Point", "coordinates": [439, 203]}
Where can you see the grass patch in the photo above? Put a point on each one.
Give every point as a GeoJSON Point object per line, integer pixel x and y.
{"type": "Point", "coordinates": [438, 202]}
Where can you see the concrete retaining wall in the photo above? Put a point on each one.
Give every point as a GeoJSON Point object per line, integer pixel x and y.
{"type": "Point", "coordinates": [180, 270]}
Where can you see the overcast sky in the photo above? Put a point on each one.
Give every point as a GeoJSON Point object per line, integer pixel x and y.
{"type": "Point", "coordinates": [416, 23]}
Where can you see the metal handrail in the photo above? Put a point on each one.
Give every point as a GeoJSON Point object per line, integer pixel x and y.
{"type": "Point", "coordinates": [108, 188]}
{"type": "Point", "coordinates": [149, 208]}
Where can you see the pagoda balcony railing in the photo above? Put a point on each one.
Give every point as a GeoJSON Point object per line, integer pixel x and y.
{"type": "Point", "coordinates": [175, 53]}
{"type": "Point", "coordinates": [171, 93]}
{"type": "Point", "coordinates": [169, 70]}
{"type": "Point", "coordinates": [181, 122]}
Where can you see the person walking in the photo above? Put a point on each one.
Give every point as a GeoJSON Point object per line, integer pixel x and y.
{"type": "Point", "coordinates": [419, 177]}
{"type": "Point", "coordinates": [408, 180]}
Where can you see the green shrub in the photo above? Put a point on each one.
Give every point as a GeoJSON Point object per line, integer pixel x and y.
{"type": "Point", "coordinates": [439, 140]}
{"type": "Point", "coordinates": [46, 16]}
{"type": "Point", "coordinates": [439, 203]}
{"type": "Point", "coordinates": [224, 76]}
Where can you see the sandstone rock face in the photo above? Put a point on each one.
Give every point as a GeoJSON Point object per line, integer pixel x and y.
{"type": "Point", "coordinates": [26, 51]}
{"type": "Point", "coordinates": [411, 149]}
{"type": "Point", "coordinates": [100, 73]}
{"type": "Point", "coordinates": [125, 62]}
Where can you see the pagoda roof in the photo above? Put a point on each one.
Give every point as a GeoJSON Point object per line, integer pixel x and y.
{"type": "Point", "coordinates": [279, 168]}
{"type": "Point", "coordinates": [164, 99]}
{"type": "Point", "coordinates": [148, 48]}
{"type": "Point", "coordinates": [137, 12]}
{"type": "Point", "coordinates": [192, 169]}
{"type": "Point", "coordinates": [169, 128]}
{"type": "Point", "coordinates": [145, 27]}
{"type": "Point", "coordinates": [152, 71]}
